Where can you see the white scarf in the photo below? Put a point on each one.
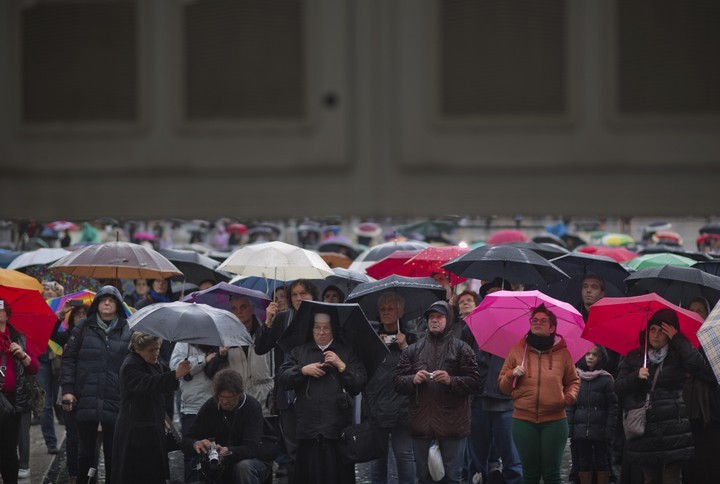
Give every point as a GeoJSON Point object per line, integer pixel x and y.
{"type": "Point", "coordinates": [657, 356]}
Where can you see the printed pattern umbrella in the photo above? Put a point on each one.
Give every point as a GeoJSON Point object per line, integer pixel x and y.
{"type": "Point", "coordinates": [16, 279]}
{"type": "Point", "coordinates": [195, 267]}
{"type": "Point", "coordinates": [117, 260]}
{"type": "Point", "coordinates": [388, 266]}
{"type": "Point", "coordinates": [198, 324]}
{"type": "Point", "coordinates": [659, 260]}
{"type": "Point", "coordinates": [353, 329]}
{"type": "Point", "coordinates": [30, 315]}
{"type": "Point", "coordinates": [380, 251]}
{"type": "Point", "coordinates": [518, 266]}
{"type": "Point", "coordinates": [617, 240]}
{"type": "Point", "coordinates": [578, 265]}
{"type": "Point", "coordinates": [430, 260]}
{"type": "Point", "coordinates": [503, 318]}
{"type": "Point", "coordinates": [616, 322]}
{"type": "Point", "coordinates": [276, 260]}
{"type": "Point", "coordinates": [218, 296]}
{"type": "Point", "coordinates": [37, 257]}
{"type": "Point", "coordinates": [62, 225]}
{"type": "Point", "coordinates": [419, 293]}
{"type": "Point", "coordinates": [709, 337]}
{"type": "Point", "coordinates": [676, 284]}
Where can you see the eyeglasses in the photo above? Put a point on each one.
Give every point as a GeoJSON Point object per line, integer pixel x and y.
{"type": "Point", "coordinates": [322, 330]}
{"type": "Point", "coordinates": [539, 321]}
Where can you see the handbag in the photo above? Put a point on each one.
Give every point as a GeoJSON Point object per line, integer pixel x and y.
{"type": "Point", "coordinates": [269, 447]}
{"type": "Point", "coordinates": [360, 443]}
{"type": "Point", "coordinates": [635, 419]}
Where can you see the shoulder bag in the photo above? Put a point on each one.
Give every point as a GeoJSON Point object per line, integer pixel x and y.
{"type": "Point", "coordinates": [360, 443]}
{"type": "Point", "coordinates": [635, 419]}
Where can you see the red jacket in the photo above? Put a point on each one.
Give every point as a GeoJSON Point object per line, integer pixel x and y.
{"type": "Point", "coordinates": [550, 383]}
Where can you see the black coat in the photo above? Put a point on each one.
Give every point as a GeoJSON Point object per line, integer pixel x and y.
{"type": "Point", "coordinates": [23, 395]}
{"type": "Point", "coordinates": [320, 401]}
{"type": "Point", "coordinates": [139, 445]}
{"type": "Point", "coordinates": [91, 364]}
{"type": "Point", "coordinates": [594, 414]}
{"type": "Point", "coordinates": [240, 430]}
{"type": "Point", "coordinates": [667, 432]}
{"type": "Point", "coordinates": [265, 341]}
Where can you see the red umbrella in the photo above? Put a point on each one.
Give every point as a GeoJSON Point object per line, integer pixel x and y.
{"type": "Point", "coordinates": [430, 260]}
{"type": "Point", "coordinates": [508, 235]}
{"type": "Point", "coordinates": [620, 254]}
{"type": "Point", "coordinates": [238, 229]}
{"type": "Point", "coordinates": [388, 265]}
{"type": "Point", "coordinates": [616, 322]}
{"type": "Point", "coordinates": [30, 315]}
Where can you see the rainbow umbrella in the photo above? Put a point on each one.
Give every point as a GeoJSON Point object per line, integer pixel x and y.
{"type": "Point", "coordinates": [86, 297]}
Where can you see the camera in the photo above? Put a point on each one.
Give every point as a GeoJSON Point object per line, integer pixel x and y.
{"type": "Point", "coordinates": [76, 303]}
{"type": "Point", "coordinates": [389, 339]}
{"type": "Point", "coordinates": [213, 456]}
{"type": "Point", "coordinates": [432, 376]}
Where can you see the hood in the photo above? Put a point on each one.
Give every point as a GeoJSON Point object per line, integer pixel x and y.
{"type": "Point", "coordinates": [107, 291]}
{"type": "Point", "coordinates": [443, 307]}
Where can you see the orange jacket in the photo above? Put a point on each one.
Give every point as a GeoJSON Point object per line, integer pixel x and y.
{"type": "Point", "coordinates": [550, 383]}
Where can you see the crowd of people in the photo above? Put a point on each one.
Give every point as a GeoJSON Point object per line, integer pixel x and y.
{"type": "Point", "coordinates": [492, 418]}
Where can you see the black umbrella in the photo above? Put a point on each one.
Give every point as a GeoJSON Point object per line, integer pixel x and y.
{"type": "Point", "coordinates": [353, 329]}
{"type": "Point", "coordinates": [669, 249]}
{"type": "Point", "coordinates": [543, 249]}
{"type": "Point", "coordinates": [577, 265]}
{"type": "Point", "coordinates": [710, 229]}
{"type": "Point", "coordinates": [195, 266]}
{"type": "Point", "coordinates": [710, 266]}
{"type": "Point", "coordinates": [419, 293]}
{"type": "Point", "coordinates": [518, 266]}
{"type": "Point", "coordinates": [548, 238]}
{"type": "Point", "coordinates": [345, 279]}
{"type": "Point", "coordinates": [676, 284]}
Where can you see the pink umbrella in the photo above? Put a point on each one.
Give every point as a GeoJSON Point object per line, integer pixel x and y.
{"type": "Point", "coordinates": [620, 254]}
{"type": "Point", "coordinates": [144, 236]}
{"type": "Point", "coordinates": [61, 225]}
{"type": "Point", "coordinates": [508, 235]}
{"type": "Point", "coordinates": [503, 318]}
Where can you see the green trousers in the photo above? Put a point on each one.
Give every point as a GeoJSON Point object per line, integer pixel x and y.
{"type": "Point", "coordinates": [541, 447]}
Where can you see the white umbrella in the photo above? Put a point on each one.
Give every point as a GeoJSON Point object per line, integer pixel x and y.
{"type": "Point", "coordinates": [37, 257]}
{"type": "Point", "coordinates": [276, 260]}
{"type": "Point", "coordinates": [191, 323]}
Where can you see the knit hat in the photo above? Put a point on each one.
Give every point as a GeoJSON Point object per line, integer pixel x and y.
{"type": "Point", "coordinates": [665, 315]}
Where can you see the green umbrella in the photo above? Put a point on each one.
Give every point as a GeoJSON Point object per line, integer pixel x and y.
{"type": "Point", "coordinates": [660, 260]}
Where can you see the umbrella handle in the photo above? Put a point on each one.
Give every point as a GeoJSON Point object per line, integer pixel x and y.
{"type": "Point", "coordinates": [522, 363]}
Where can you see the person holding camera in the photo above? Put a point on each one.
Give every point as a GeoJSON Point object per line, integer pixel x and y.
{"type": "Point", "coordinates": [89, 376]}
{"type": "Point", "coordinates": [440, 374]}
{"type": "Point", "coordinates": [325, 374]}
{"type": "Point", "coordinates": [226, 434]}
{"type": "Point", "coordinates": [16, 363]}
{"type": "Point", "coordinates": [388, 409]}
{"type": "Point", "coordinates": [139, 445]}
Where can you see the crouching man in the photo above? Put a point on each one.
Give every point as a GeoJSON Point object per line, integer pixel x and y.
{"type": "Point", "coordinates": [231, 424]}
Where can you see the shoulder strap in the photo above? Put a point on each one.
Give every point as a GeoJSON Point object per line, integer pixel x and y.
{"type": "Point", "coordinates": [652, 387]}
{"type": "Point", "coordinates": [3, 368]}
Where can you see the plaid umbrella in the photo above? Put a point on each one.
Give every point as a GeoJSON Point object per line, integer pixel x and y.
{"type": "Point", "coordinates": [709, 336]}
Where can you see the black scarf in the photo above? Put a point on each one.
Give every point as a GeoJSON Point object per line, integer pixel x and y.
{"type": "Point", "coordinates": [540, 343]}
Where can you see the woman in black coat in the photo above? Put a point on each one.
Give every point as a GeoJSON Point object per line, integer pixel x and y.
{"type": "Point", "coordinates": [325, 374]}
{"type": "Point", "coordinates": [139, 445]}
{"type": "Point", "coordinates": [667, 441]}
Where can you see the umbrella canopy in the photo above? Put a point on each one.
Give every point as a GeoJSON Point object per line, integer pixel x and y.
{"type": "Point", "coordinates": [149, 236]}
{"type": "Point", "coordinates": [117, 260]}
{"type": "Point", "coordinates": [345, 279]}
{"type": "Point", "coordinates": [195, 267]}
{"type": "Point", "coordinates": [340, 244]}
{"type": "Point", "coordinates": [507, 235]}
{"type": "Point", "coordinates": [709, 337]}
{"type": "Point", "coordinates": [518, 266]}
{"type": "Point", "coordinates": [577, 265]}
{"type": "Point", "coordinates": [30, 315]}
{"type": "Point", "coordinates": [676, 284]}
{"type": "Point", "coordinates": [419, 293]}
{"type": "Point", "coordinates": [669, 249]}
{"type": "Point", "coordinates": [616, 322]}
{"type": "Point", "coordinates": [427, 228]}
{"type": "Point", "coordinates": [620, 254]}
{"type": "Point", "coordinates": [429, 261]}
{"type": "Point", "coordinates": [62, 225]}
{"type": "Point", "coordinates": [276, 260]}
{"type": "Point", "coordinates": [380, 251]}
{"type": "Point", "coordinates": [7, 256]}
{"type": "Point", "coordinates": [218, 296]}
{"type": "Point", "coordinates": [37, 257]}
{"type": "Point", "coordinates": [198, 324]}
{"type": "Point", "coordinates": [388, 265]}
{"type": "Point", "coordinates": [659, 260]}
{"type": "Point", "coordinates": [336, 259]}
{"type": "Point", "coordinates": [236, 228]}
{"type": "Point", "coordinates": [353, 329]}
{"type": "Point", "coordinates": [616, 240]}
{"type": "Point", "coordinates": [503, 318]}
{"type": "Point", "coordinates": [261, 284]}
{"type": "Point", "coordinates": [543, 249]}
{"type": "Point", "coordinates": [711, 267]}
{"type": "Point", "coordinates": [549, 238]}
{"type": "Point", "coordinates": [11, 278]}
